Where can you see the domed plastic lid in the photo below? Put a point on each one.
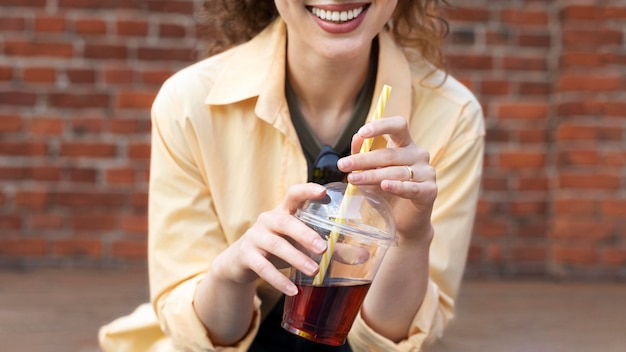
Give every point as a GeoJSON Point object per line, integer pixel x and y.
{"type": "Point", "coordinates": [364, 212]}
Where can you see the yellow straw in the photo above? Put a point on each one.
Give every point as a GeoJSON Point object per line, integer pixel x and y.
{"type": "Point", "coordinates": [350, 189]}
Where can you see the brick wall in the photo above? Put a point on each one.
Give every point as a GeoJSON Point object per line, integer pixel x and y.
{"type": "Point", "coordinates": [552, 78]}
{"type": "Point", "coordinates": [77, 78]}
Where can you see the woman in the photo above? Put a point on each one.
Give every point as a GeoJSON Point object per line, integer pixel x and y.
{"type": "Point", "coordinates": [235, 142]}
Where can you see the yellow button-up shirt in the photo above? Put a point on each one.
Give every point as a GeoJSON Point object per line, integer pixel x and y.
{"type": "Point", "coordinates": [224, 150]}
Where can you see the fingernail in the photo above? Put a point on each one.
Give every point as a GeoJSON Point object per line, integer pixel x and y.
{"type": "Point", "coordinates": [311, 267]}
{"type": "Point", "coordinates": [291, 289]}
{"type": "Point", "coordinates": [365, 130]}
{"type": "Point", "coordinates": [319, 244]}
{"type": "Point", "coordinates": [355, 177]}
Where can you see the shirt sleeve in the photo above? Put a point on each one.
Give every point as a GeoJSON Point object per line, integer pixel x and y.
{"type": "Point", "coordinates": [458, 179]}
{"type": "Point", "coordinates": [184, 231]}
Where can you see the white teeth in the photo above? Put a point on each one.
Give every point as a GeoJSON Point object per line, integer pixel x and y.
{"type": "Point", "coordinates": [337, 16]}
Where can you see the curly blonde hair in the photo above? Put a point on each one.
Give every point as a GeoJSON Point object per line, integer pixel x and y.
{"type": "Point", "coordinates": [415, 23]}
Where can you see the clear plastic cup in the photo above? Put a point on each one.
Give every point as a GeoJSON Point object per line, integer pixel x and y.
{"type": "Point", "coordinates": [324, 312]}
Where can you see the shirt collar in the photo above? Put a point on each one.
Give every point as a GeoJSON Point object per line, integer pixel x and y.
{"type": "Point", "coordinates": [257, 69]}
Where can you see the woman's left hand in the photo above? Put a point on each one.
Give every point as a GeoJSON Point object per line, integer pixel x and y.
{"type": "Point", "coordinates": [401, 169]}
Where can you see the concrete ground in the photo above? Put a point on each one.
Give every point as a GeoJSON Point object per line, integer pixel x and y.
{"type": "Point", "coordinates": [60, 310]}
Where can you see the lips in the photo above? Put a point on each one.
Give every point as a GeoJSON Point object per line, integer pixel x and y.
{"type": "Point", "coordinates": [337, 16]}
{"type": "Point", "coordinates": [339, 19]}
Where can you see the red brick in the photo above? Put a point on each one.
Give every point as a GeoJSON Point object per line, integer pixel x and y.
{"type": "Point", "coordinates": [495, 87]}
{"type": "Point", "coordinates": [525, 63]}
{"type": "Point", "coordinates": [81, 175]}
{"type": "Point", "coordinates": [171, 30]}
{"type": "Point", "coordinates": [589, 180]}
{"type": "Point", "coordinates": [533, 135]}
{"type": "Point", "coordinates": [495, 253]}
{"type": "Point", "coordinates": [527, 207]}
{"type": "Point", "coordinates": [568, 228]}
{"type": "Point", "coordinates": [614, 12]}
{"type": "Point", "coordinates": [47, 221]}
{"type": "Point", "coordinates": [132, 28]}
{"type": "Point", "coordinates": [522, 160]}
{"type": "Point", "coordinates": [87, 125]}
{"type": "Point", "coordinates": [591, 38]}
{"type": "Point", "coordinates": [6, 73]}
{"type": "Point", "coordinates": [139, 201]}
{"type": "Point", "coordinates": [81, 76]}
{"type": "Point", "coordinates": [124, 126]}
{"type": "Point", "coordinates": [590, 82]}
{"type": "Point", "coordinates": [165, 54]}
{"type": "Point", "coordinates": [32, 199]}
{"type": "Point", "coordinates": [23, 148]}
{"type": "Point", "coordinates": [50, 24]}
{"type": "Point", "coordinates": [45, 173]}
{"type": "Point", "coordinates": [169, 6]}
{"type": "Point", "coordinates": [10, 222]}
{"type": "Point", "coordinates": [614, 208]}
{"type": "Point", "coordinates": [491, 228]}
{"type": "Point", "coordinates": [38, 49]}
{"type": "Point", "coordinates": [531, 229]}
{"type": "Point", "coordinates": [534, 88]}
{"type": "Point", "coordinates": [98, 4]}
{"type": "Point", "coordinates": [89, 200]}
{"type": "Point", "coordinates": [46, 126]}
{"type": "Point", "coordinates": [614, 257]}
{"type": "Point", "coordinates": [135, 99]}
{"type": "Point", "coordinates": [534, 40]}
{"type": "Point", "coordinates": [616, 158]}
{"type": "Point", "coordinates": [22, 247]}
{"type": "Point", "coordinates": [78, 100]}
{"type": "Point", "coordinates": [10, 123]}
{"type": "Point", "coordinates": [90, 26]}
{"type": "Point", "coordinates": [129, 249]}
{"type": "Point", "coordinates": [471, 62]}
{"type": "Point", "coordinates": [523, 110]}
{"type": "Point", "coordinates": [499, 37]}
{"type": "Point", "coordinates": [581, 12]}
{"type": "Point", "coordinates": [495, 183]}
{"type": "Point", "coordinates": [106, 51]}
{"type": "Point", "coordinates": [24, 3]}
{"type": "Point", "coordinates": [155, 77]}
{"type": "Point", "coordinates": [39, 74]}
{"type": "Point", "coordinates": [76, 247]}
{"type": "Point", "coordinates": [120, 176]}
{"type": "Point", "coordinates": [11, 23]}
{"type": "Point", "coordinates": [529, 254]}
{"type": "Point", "coordinates": [88, 149]}
{"type": "Point", "coordinates": [524, 17]}
{"type": "Point", "coordinates": [579, 157]}
{"type": "Point", "coordinates": [139, 151]}
{"type": "Point", "coordinates": [18, 98]}
{"type": "Point", "coordinates": [576, 132]}
{"type": "Point", "coordinates": [575, 255]}
{"type": "Point", "coordinates": [530, 183]}
{"type": "Point", "coordinates": [118, 76]}
{"type": "Point", "coordinates": [135, 224]}
{"type": "Point", "coordinates": [468, 14]}
{"type": "Point", "coordinates": [101, 222]}
{"type": "Point", "coordinates": [584, 59]}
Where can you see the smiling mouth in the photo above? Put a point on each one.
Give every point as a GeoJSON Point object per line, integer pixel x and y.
{"type": "Point", "coordinates": [337, 16]}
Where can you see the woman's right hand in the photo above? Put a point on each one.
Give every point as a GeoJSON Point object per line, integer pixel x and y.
{"type": "Point", "coordinates": [276, 240]}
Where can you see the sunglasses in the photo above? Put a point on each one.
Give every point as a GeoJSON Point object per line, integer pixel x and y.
{"type": "Point", "coordinates": [325, 168]}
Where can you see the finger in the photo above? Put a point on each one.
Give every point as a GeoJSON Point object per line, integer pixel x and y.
{"type": "Point", "coordinates": [268, 272]}
{"type": "Point", "coordinates": [297, 195]}
{"type": "Point", "coordinates": [377, 159]}
{"type": "Point", "coordinates": [295, 230]}
{"type": "Point", "coordinates": [425, 192]}
{"type": "Point", "coordinates": [351, 255]}
{"type": "Point", "coordinates": [396, 127]}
